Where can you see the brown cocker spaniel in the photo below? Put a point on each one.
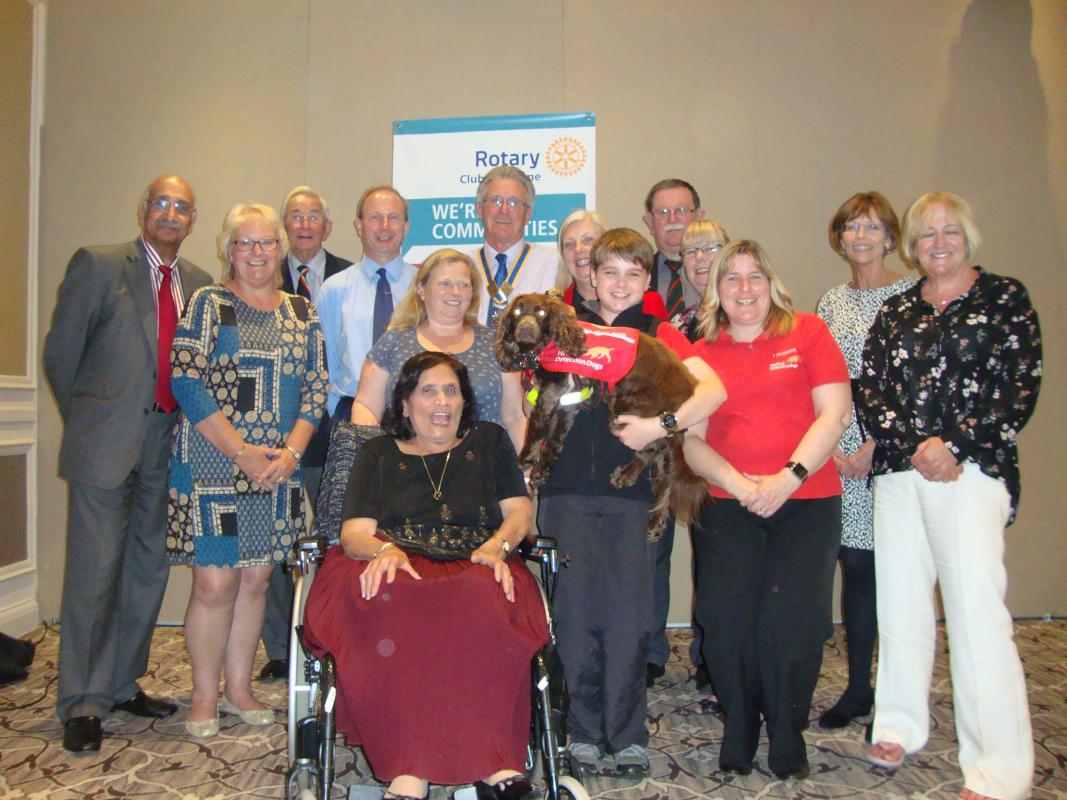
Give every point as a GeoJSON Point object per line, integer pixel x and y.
{"type": "Point", "coordinates": [656, 382]}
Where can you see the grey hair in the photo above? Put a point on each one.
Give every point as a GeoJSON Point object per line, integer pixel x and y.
{"type": "Point", "coordinates": [308, 191]}
{"type": "Point", "coordinates": [506, 172]}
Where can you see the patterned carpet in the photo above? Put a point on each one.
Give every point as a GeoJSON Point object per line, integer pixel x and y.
{"type": "Point", "coordinates": [155, 759]}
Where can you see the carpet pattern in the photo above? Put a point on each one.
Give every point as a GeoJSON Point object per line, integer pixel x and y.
{"type": "Point", "coordinates": [155, 758]}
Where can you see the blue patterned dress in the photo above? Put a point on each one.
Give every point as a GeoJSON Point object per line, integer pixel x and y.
{"type": "Point", "coordinates": [263, 370]}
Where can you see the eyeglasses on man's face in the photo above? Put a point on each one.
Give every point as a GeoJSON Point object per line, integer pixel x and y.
{"type": "Point", "coordinates": [498, 202]}
{"type": "Point", "coordinates": [163, 204]}
{"type": "Point", "coordinates": [677, 211]}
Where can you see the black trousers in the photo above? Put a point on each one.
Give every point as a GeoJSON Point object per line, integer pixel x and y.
{"type": "Point", "coordinates": [860, 605]}
{"type": "Point", "coordinates": [765, 602]}
{"type": "Point", "coordinates": [602, 613]}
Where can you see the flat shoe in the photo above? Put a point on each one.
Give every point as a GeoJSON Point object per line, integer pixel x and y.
{"type": "Point", "coordinates": [844, 712]}
{"type": "Point", "coordinates": [202, 729]}
{"type": "Point", "coordinates": [795, 774]}
{"type": "Point", "coordinates": [254, 716]}
{"type": "Point", "coordinates": [517, 787]}
{"type": "Point", "coordinates": [887, 755]}
{"type": "Point", "coordinates": [731, 769]}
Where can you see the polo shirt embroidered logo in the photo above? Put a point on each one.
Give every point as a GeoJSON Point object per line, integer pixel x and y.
{"type": "Point", "coordinates": [609, 355]}
{"type": "Point", "coordinates": [787, 359]}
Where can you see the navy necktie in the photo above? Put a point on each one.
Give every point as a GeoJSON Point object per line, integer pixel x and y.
{"type": "Point", "coordinates": [499, 279]}
{"type": "Point", "coordinates": [383, 305]}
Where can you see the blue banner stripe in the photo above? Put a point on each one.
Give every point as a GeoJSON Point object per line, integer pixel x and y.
{"type": "Point", "coordinates": [454, 222]}
{"type": "Point", "coordinates": [501, 123]}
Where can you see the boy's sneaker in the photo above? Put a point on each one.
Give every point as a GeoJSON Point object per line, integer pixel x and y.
{"type": "Point", "coordinates": [585, 755]}
{"type": "Point", "coordinates": [632, 761]}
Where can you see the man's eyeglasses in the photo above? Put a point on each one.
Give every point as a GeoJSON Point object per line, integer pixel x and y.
{"type": "Point", "coordinates": [247, 245]}
{"type": "Point", "coordinates": [678, 211]}
{"type": "Point", "coordinates": [296, 217]}
{"type": "Point", "coordinates": [498, 202]}
{"type": "Point", "coordinates": [706, 249]}
{"type": "Point", "coordinates": [163, 204]}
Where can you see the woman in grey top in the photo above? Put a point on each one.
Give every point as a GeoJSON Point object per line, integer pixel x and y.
{"type": "Point", "coordinates": [863, 232]}
{"type": "Point", "coordinates": [439, 312]}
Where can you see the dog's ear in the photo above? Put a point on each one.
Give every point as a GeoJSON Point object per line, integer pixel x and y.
{"type": "Point", "coordinates": [565, 330]}
{"type": "Point", "coordinates": [504, 345]}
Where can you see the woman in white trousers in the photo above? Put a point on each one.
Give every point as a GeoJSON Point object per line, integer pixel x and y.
{"type": "Point", "coordinates": [951, 374]}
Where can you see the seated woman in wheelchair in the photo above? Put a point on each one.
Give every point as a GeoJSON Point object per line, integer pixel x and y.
{"type": "Point", "coordinates": [431, 624]}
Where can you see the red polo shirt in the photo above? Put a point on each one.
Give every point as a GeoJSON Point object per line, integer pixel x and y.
{"type": "Point", "coordinates": [768, 406]}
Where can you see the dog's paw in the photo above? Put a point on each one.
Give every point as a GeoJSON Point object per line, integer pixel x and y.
{"type": "Point", "coordinates": [626, 475]}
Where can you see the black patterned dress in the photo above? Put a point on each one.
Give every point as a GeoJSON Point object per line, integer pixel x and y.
{"type": "Point", "coordinates": [263, 370]}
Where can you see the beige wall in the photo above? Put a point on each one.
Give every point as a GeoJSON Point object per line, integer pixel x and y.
{"type": "Point", "coordinates": [777, 111]}
{"type": "Point", "coordinates": [16, 68]}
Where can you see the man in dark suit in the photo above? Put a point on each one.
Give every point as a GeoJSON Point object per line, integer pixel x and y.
{"type": "Point", "coordinates": [107, 359]}
{"type": "Point", "coordinates": [307, 222]}
{"type": "Point", "coordinates": [670, 205]}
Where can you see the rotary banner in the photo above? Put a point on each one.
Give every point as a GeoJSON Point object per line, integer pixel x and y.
{"type": "Point", "coordinates": [438, 164]}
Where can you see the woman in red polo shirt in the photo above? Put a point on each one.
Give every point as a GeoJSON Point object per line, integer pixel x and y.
{"type": "Point", "coordinates": [769, 542]}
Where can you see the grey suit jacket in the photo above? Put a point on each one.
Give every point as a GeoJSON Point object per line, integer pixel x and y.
{"type": "Point", "coordinates": [100, 359]}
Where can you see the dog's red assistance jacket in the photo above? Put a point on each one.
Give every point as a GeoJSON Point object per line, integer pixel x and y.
{"type": "Point", "coordinates": [609, 354]}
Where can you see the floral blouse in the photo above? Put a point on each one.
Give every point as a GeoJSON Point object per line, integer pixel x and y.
{"type": "Point", "coordinates": [970, 375]}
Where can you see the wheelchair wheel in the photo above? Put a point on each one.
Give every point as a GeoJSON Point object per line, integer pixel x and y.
{"type": "Point", "coordinates": [570, 788]}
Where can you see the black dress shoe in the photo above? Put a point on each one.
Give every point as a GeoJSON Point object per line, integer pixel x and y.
{"type": "Point", "coordinates": [733, 769]}
{"type": "Point", "coordinates": [275, 669]}
{"type": "Point", "coordinates": [846, 710]}
{"type": "Point", "coordinates": [794, 774]}
{"type": "Point", "coordinates": [702, 678]}
{"type": "Point", "coordinates": [141, 705]}
{"type": "Point", "coordinates": [653, 672]}
{"type": "Point", "coordinates": [82, 734]}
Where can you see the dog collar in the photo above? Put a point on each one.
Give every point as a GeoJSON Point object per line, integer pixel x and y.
{"type": "Point", "coordinates": [568, 399]}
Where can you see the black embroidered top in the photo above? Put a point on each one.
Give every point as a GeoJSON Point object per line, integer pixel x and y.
{"type": "Point", "coordinates": [395, 489]}
{"type": "Point", "coordinates": [970, 375]}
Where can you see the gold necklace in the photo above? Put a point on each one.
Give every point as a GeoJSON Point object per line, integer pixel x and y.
{"type": "Point", "coordinates": [441, 482]}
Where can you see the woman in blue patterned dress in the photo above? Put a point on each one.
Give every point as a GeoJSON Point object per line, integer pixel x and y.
{"type": "Point", "coordinates": [863, 232]}
{"type": "Point", "coordinates": [439, 313]}
{"type": "Point", "coordinates": [249, 372]}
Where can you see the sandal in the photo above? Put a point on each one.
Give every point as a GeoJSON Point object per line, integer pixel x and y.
{"type": "Point", "coordinates": [887, 755]}
{"type": "Point", "coordinates": [710, 707]}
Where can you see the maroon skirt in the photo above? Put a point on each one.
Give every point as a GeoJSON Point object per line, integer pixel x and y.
{"type": "Point", "coordinates": [433, 675]}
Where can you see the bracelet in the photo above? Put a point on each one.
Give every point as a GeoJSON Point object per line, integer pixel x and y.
{"type": "Point", "coordinates": [385, 546]}
{"type": "Point", "coordinates": [504, 544]}
{"type": "Point", "coordinates": [241, 449]}
{"type": "Point", "coordinates": [293, 453]}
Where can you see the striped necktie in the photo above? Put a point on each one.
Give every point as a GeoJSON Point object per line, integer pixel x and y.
{"type": "Point", "coordinates": [675, 294]}
{"type": "Point", "coordinates": [303, 287]}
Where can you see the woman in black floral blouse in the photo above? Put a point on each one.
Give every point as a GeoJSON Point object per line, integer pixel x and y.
{"type": "Point", "coordinates": [951, 373]}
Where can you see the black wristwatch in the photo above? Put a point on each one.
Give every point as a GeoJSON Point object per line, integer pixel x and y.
{"type": "Point", "coordinates": [668, 421]}
{"type": "Point", "coordinates": [798, 469]}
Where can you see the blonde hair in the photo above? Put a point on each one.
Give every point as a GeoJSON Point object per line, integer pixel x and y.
{"type": "Point", "coordinates": [955, 205]}
{"type": "Point", "coordinates": [563, 275]}
{"type": "Point", "coordinates": [238, 216]}
{"type": "Point", "coordinates": [712, 320]}
{"type": "Point", "coordinates": [704, 230]}
{"type": "Point", "coordinates": [412, 310]}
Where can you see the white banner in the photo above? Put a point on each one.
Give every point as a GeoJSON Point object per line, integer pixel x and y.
{"type": "Point", "coordinates": [438, 164]}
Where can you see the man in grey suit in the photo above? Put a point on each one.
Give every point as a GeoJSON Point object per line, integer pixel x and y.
{"type": "Point", "coordinates": [107, 359]}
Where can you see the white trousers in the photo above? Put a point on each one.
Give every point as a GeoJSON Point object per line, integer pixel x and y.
{"type": "Point", "coordinates": [952, 533]}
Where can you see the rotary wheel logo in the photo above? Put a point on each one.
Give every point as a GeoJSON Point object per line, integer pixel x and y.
{"type": "Point", "coordinates": [565, 156]}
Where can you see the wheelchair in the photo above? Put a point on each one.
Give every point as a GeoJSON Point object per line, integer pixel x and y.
{"type": "Point", "coordinates": [313, 692]}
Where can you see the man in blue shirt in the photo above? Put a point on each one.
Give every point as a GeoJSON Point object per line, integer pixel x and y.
{"type": "Point", "coordinates": [355, 305]}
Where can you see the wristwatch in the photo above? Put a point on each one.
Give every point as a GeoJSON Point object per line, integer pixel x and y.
{"type": "Point", "coordinates": [668, 421]}
{"type": "Point", "coordinates": [798, 469]}
{"type": "Point", "coordinates": [505, 546]}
